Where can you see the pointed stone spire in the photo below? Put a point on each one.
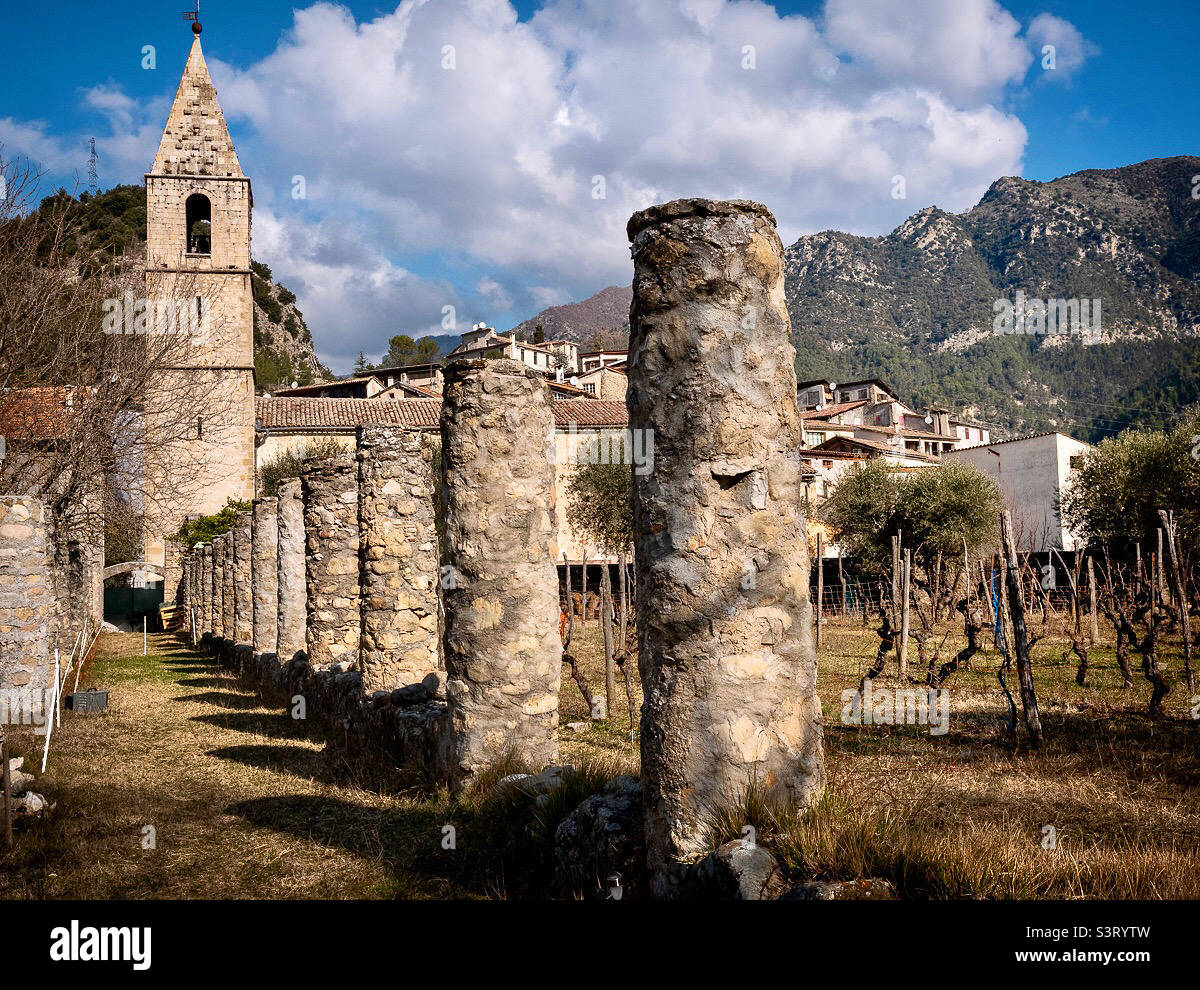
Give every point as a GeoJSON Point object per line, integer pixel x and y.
{"type": "Point", "coordinates": [196, 140]}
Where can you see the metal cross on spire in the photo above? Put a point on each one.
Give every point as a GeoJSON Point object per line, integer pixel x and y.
{"type": "Point", "coordinates": [194, 16]}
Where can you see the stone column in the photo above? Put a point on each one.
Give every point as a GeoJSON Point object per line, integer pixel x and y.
{"type": "Point", "coordinates": [399, 558]}
{"type": "Point", "coordinates": [206, 589]}
{"type": "Point", "coordinates": [243, 585]}
{"type": "Point", "coordinates": [228, 600]}
{"type": "Point", "coordinates": [266, 582]}
{"type": "Point", "coordinates": [292, 591]}
{"type": "Point", "coordinates": [502, 651]}
{"type": "Point", "coordinates": [27, 604]}
{"type": "Point", "coordinates": [725, 641]}
{"type": "Point", "coordinates": [330, 491]}
{"type": "Point", "coordinates": [218, 592]}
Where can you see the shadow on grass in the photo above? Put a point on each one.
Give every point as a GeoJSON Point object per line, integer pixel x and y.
{"type": "Point", "coordinates": [326, 766]}
{"type": "Point", "coordinates": [273, 725]}
{"type": "Point", "coordinates": [407, 841]}
{"type": "Point", "coordinates": [222, 699]}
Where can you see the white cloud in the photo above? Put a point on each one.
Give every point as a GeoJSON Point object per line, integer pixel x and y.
{"type": "Point", "coordinates": [966, 49]}
{"type": "Point", "coordinates": [1071, 49]}
{"type": "Point", "coordinates": [477, 186]}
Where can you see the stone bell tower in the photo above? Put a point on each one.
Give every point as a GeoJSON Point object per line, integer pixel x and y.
{"type": "Point", "coordinates": [200, 417]}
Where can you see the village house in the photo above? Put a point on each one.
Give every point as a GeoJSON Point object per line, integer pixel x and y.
{"type": "Point", "coordinates": [868, 418]}
{"type": "Point", "coordinates": [1032, 473]}
{"type": "Point", "coordinates": [547, 358]}
{"type": "Point", "coordinates": [591, 360]}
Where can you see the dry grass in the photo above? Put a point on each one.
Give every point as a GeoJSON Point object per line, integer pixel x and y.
{"type": "Point", "coordinates": [248, 803]}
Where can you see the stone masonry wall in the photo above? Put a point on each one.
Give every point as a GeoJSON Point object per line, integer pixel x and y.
{"type": "Point", "coordinates": [218, 591]}
{"type": "Point", "coordinates": [330, 492]}
{"type": "Point", "coordinates": [205, 617]}
{"type": "Point", "coordinates": [292, 591]}
{"type": "Point", "coordinates": [266, 580]}
{"type": "Point", "coordinates": [502, 652]}
{"type": "Point", "coordinates": [724, 623]}
{"type": "Point", "coordinates": [398, 559]}
{"type": "Point", "coordinates": [28, 608]}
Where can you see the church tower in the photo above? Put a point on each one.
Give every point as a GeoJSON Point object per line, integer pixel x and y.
{"type": "Point", "coordinates": [200, 421]}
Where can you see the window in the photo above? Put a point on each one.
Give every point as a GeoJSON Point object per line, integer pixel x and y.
{"type": "Point", "coordinates": [199, 427]}
{"type": "Point", "coordinates": [198, 212]}
{"type": "Point", "coordinates": [590, 387]}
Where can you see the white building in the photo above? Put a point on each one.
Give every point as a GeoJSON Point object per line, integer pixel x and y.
{"type": "Point", "coordinates": [1032, 473]}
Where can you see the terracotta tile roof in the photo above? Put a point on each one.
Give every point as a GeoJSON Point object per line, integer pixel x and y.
{"type": "Point", "coordinates": [317, 386]}
{"type": "Point", "coordinates": [420, 414]}
{"type": "Point", "coordinates": [831, 410]}
{"type": "Point", "coordinates": [39, 413]}
{"type": "Point", "coordinates": [871, 445]}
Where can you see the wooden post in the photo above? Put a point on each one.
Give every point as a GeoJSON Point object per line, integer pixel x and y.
{"type": "Point", "coordinates": [902, 655]}
{"type": "Point", "coordinates": [583, 593]}
{"type": "Point", "coordinates": [1161, 574]}
{"type": "Point", "coordinates": [1020, 644]}
{"type": "Point", "coordinates": [623, 602]}
{"type": "Point", "coordinates": [606, 627]}
{"type": "Point", "coordinates": [820, 582]}
{"type": "Point", "coordinates": [842, 581]}
{"type": "Point", "coordinates": [6, 784]}
{"type": "Point", "coordinates": [1092, 599]}
{"type": "Point", "coordinates": [1185, 618]}
{"type": "Point", "coordinates": [897, 567]}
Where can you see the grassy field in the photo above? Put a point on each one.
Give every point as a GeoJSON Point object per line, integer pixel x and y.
{"type": "Point", "coordinates": [246, 802]}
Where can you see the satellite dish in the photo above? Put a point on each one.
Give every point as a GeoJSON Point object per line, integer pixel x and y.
{"type": "Point", "coordinates": [575, 381]}
{"type": "Point", "coordinates": [295, 384]}
{"type": "Point", "coordinates": [833, 386]}
{"type": "Point", "coordinates": [929, 417]}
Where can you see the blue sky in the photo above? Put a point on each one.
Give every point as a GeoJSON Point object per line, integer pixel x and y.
{"type": "Point", "coordinates": [476, 188]}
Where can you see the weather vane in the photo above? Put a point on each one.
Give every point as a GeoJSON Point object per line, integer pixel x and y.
{"type": "Point", "coordinates": [194, 15]}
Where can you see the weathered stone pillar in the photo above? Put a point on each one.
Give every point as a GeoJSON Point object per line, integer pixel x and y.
{"type": "Point", "coordinates": [27, 603]}
{"type": "Point", "coordinates": [399, 558]}
{"type": "Point", "coordinates": [330, 491]}
{"type": "Point", "coordinates": [502, 651]}
{"type": "Point", "coordinates": [266, 582]}
{"type": "Point", "coordinates": [243, 586]}
{"type": "Point", "coordinates": [218, 592]}
{"type": "Point", "coordinates": [206, 589]}
{"type": "Point", "coordinates": [292, 591]}
{"type": "Point", "coordinates": [228, 599]}
{"type": "Point", "coordinates": [724, 623]}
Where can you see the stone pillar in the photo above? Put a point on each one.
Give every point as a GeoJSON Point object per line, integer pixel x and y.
{"type": "Point", "coordinates": [292, 591]}
{"type": "Point", "coordinates": [218, 591]}
{"type": "Point", "coordinates": [28, 608]}
{"type": "Point", "coordinates": [206, 589]}
{"type": "Point", "coordinates": [243, 585]}
{"type": "Point", "coordinates": [399, 558]}
{"type": "Point", "coordinates": [172, 572]}
{"type": "Point", "coordinates": [502, 651]}
{"type": "Point", "coordinates": [725, 641]}
{"type": "Point", "coordinates": [228, 600]}
{"type": "Point", "coordinates": [266, 582]}
{"type": "Point", "coordinates": [330, 491]}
